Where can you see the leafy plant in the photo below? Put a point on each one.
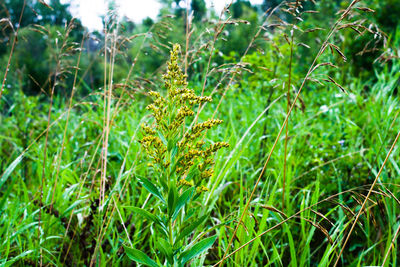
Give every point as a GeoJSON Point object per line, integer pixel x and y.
{"type": "Point", "coordinates": [182, 162]}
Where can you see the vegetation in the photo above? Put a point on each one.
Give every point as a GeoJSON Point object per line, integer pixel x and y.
{"type": "Point", "coordinates": [265, 135]}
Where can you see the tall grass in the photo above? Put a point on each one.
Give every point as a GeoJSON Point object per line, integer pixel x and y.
{"type": "Point", "coordinates": [310, 177]}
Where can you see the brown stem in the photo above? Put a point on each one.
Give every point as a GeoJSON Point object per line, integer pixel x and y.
{"type": "Point", "coordinates": [12, 50]}
{"type": "Point", "coordinates": [287, 125]}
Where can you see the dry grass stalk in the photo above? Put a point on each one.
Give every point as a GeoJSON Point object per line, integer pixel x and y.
{"type": "Point", "coordinates": [59, 158]}
{"type": "Point", "coordinates": [15, 40]}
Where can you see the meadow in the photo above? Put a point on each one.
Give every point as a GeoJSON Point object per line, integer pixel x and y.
{"type": "Point", "coordinates": [263, 135]}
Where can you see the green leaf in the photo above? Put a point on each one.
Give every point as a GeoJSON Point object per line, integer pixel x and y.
{"type": "Point", "coordinates": [151, 188]}
{"type": "Point", "coordinates": [197, 249]}
{"type": "Point", "coordinates": [138, 256]}
{"type": "Point", "coordinates": [163, 182]}
{"type": "Point", "coordinates": [4, 199]}
{"type": "Point", "coordinates": [172, 196]}
{"type": "Point", "coordinates": [170, 145]}
{"type": "Point", "coordinates": [182, 200]}
{"type": "Point", "coordinates": [162, 230]}
{"type": "Point", "coordinates": [15, 259]}
{"type": "Point", "coordinates": [188, 229]}
{"type": "Point", "coordinates": [10, 169]}
{"type": "Point", "coordinates": [73, 206]}
{"type": "Point", "coordinates": [166, 249]}
{"type": "Point", "coordinates": [174, 151]}
{"type": "Point", "coordinates": [193, 172]}
{"type": "Point", "coordinates": [144, 213]}
{"type": "Point", "coordinates": [174, 165]}
{"type": "Point", "coordinates": [162, 138]}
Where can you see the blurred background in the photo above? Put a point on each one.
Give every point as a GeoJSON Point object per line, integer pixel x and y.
{"type": "Point", "coordinates": [34, 49]}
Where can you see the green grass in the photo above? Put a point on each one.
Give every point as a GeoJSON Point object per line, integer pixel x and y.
{"type": "Point", "coordinates": [337, 141]}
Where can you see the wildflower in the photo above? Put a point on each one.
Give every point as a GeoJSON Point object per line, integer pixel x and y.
{"type": "Point", "coordinates": [184, 182]}
{"type": "Point", "coordinates": [168, 144]}
{"type": "Point", "coordinates": [201, 189]}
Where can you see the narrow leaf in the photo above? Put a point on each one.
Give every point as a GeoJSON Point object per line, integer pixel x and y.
{"type": "Point", "coordinates": [162, 138]}
{"type": "Point", "coordinates": [189, 229]}
{"type": "Point", "coordinates": [166, 249]}
{"type": "Point", "coordinates": [182, 200]}
{"type": "Point", "coordinates": [138, 256]}
{"type": "Point", "coordinates": [151, 188]}
{"type": "Point", "coordinates": [143, 213]}
{"type": "Point", "coordinates": [172, 197]}
{"type": "Point", "coordinates": [10, 169]}
{"type": "Point", "coordinates": [197, 249]}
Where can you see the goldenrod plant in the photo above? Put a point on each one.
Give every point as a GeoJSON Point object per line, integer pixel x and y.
{"type": "Point", "coordinates": [182, 163]}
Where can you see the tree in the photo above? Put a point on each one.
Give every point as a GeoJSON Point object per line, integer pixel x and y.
{"type": "Point", "coordinates": [32, 55]}
{"type": "Point", "coordinates": [239, 35]}
{"type": "Point", "coordinates": [199, 9]}
{"type": "Point", "coordinates": [267, 4]}
{"type": "Point", "coordinates": [238, 8]}
{"type": "Point", "coordinates": [35, 12]}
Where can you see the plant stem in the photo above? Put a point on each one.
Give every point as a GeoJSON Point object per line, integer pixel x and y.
{"type": "Point", "coordinates": [287, 124]}
{"type": "Point", "coordinates": [171, 237]}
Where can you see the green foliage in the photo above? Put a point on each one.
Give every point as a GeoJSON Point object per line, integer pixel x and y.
{"type": "Point", "coordinates": [35, 13]}
{"type": "Point", "coordinates": [164, 194]}
{"type": "Point", "coordinates": [199, 9]}
{"type": "Point", "coordinates": [181, 163]}
{"type": "Point", "coordinates": [240, 33]}
{"type": "Point", "coordinates": [138, 256]}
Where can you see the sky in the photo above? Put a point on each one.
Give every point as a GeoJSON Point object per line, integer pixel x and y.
{"type": "Point", "coordinates": [89, 11]}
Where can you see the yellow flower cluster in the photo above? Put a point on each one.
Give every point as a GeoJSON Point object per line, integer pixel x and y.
{"type": "Point", "coordinates": [197, 130]}
{"type": "Point", "coordinates": [201, 189]}
{"type": "Point", "coordinates": [148, 130]}
{"type": "Point", "coordinates": [183, 112]}
{"type": "Point", "coordinates": [183, 182]}
{"type": "Point", "coordinates": [154, 148]}
{"type": "Point", "coordinates": [171, 149]}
